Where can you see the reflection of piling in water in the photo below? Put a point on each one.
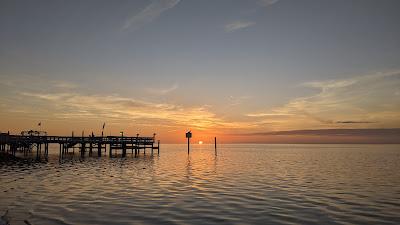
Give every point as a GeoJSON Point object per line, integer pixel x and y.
{"type": "Point", "coordinates": [14, 143]}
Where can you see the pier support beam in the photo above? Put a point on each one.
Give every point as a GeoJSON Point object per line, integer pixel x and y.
{"type": "Point", "coordinates": [83, 148]}
{"type": "Point", "coordinates": [37, 150]}
{"type": "Point", "coordinates": [123, 149]}
{"type": "Point", "coordinates": [46, 150]}
{"type": "Point", "coordinates": [90, 148]}
{"type": "Point", "coordinates": [99, 149]}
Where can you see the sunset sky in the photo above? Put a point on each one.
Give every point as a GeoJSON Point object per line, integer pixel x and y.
{"type": "Point", "coordinates": [264, 71]}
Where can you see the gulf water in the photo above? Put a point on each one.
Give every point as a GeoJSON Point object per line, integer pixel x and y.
{"type": "Point", "coordinates": [241, 184]}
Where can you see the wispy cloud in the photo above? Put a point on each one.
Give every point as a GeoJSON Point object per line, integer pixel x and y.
{"type": "Point", "coordinates": [162, 91]}
{"type": "Point", "coordinates": [242, 24]}
{"type": "Point", "coordinates": [64, 85]}
{"type": "Point", "coordinates": [266, 3]}
{"type": "Point", "coordinates": [268, 114]}
{"type": "Point", "coordinates": [237, 25]}
{"type": "Point", "coordinates": [367, 101]}
{"type": "Point", "coordinates": [117, 108]}
{"type": "Point", "coordinates": [149, 14]}
{"type": "Point", "coordinates": [360, 101]}
{"type": "Point", "coordinates": [121, 110]}
{"type": "Point", "coordinates": [234, 101]}
{"type": "Point", "coordinates": [331, 84]}
{"type": "Point", "coordinates": [64, 101]}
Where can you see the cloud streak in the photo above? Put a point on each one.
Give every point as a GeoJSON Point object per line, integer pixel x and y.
{"type": "Point", "coordinates": [162, 91]}
{"type": "Point", "coordinates": [267, 114]}
{"type": "Point", "coordinates": [235, 101]}
{"type": "Point", "coordinates": [149, 14]}
{"type": "Point", "coordinates": [117, 108]}
{"type": "Point", "coordinates": [362, 101]}
{"type": "Point", "coordinates": [65, 101]}
{"type": "Point", "coordinates": [368, 101]}
{"type": "Point", "coordinates": [238, 25]}
{"type": "Point", "coordinates": [266, 3]}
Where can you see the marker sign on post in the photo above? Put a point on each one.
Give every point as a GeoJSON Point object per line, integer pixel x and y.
{"type": "Point", "coordinates": [188, 136]}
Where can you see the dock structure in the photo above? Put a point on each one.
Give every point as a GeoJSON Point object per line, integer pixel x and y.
{"type": "Point", "coordinates": [85, 144]}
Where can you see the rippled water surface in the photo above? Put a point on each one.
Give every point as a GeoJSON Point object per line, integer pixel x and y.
{"type": "Point", "coordinates": [243, 184]}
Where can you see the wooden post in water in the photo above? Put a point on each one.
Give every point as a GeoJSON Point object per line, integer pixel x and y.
{"type": "Point", "coordinates": [188, 136]}
{"type": "Point", "coordinates": [158, 147]}
{"type": "Point", "coordinates": [152, 143]}
{"type": "Point", "coordinates": [137, 145]}
{"type": "Point", "coordinates": [123, 146]}
{"type": "Point", "coordinates": [215, 145]}
{"type": "Point", "coordinates": [83, 144]}
{"type": "Point", "coordinates": [72, 139]}
{"type": "Point", "coordinates": [46, 149]}
{"type": "Point", "coordinates": [40, 150]}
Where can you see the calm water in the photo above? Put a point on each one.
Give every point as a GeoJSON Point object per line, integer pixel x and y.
{"type": "Point", "coordinates": [244, 184]}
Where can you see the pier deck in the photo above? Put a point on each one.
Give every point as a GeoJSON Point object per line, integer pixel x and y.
{"type": "Point", "coordinates": [14, 143]}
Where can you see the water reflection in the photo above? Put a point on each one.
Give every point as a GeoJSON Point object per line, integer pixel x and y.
{"type": "Point", "coordinates": [243, 184]}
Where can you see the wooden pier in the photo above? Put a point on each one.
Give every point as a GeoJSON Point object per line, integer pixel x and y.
{"type": "Point", "coordinates": [67, 144]}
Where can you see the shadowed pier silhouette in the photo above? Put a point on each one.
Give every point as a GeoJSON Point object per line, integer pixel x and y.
{"type": "Point", "coordinates": [38, 144]}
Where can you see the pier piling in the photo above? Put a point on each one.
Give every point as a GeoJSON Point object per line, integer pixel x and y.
{"type": "Point", "coordinates": [215, 145]}
{"type": "Point", "coordinates": [26, 143]}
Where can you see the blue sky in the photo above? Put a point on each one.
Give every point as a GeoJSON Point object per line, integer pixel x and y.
{"type": "Point", "coordinates": [237, 66]}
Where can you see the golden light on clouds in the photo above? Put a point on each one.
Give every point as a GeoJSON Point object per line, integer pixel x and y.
{"type": "Point", "coordinates": [359, 102]}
